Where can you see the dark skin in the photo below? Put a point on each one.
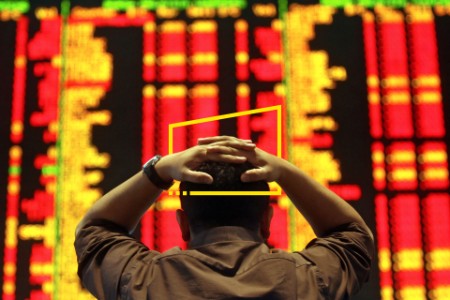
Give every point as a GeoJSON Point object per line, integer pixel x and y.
{"type": "Point", "coordinates": [324, 210]}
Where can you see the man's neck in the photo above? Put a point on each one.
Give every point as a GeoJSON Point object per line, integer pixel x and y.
{"type": "Point", "coordinates": [223, 234]}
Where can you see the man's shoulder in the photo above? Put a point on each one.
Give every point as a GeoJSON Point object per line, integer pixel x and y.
{"type": "Point", "coordinates": [295, 256]}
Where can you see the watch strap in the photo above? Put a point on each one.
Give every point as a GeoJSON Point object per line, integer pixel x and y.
{"type": "Point", "coordinates": [150, 171]}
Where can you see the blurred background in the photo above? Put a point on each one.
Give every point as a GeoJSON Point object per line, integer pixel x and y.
{"type": "Point", "coordinates": [356, 93]}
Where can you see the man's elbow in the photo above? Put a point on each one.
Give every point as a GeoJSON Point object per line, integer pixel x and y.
{"type": "Point", "coordinates": [80, 226]}
{"type": "Point", "coordinates": [371, 239]}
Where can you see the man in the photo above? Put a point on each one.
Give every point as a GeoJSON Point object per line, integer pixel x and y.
{"type": "Point", "coordinates": [227, 257]}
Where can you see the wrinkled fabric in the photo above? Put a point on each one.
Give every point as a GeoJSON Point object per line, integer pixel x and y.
{"type": "Point", "coordinates": [222, 263]}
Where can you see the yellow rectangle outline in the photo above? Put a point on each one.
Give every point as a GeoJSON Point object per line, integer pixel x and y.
{"type": "Point", "coordinates": [229, 193]}
{"type": "Point", "coordinates": [276, 108]}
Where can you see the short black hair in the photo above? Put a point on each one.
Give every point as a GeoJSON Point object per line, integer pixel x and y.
{"type": "Point", "coordinates": [211, 211]}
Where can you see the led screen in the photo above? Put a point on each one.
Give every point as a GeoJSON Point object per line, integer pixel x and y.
{"type": "Point", "coordinates": [355, 93]}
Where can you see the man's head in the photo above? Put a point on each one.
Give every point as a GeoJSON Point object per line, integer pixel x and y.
{"type": "Point", "coordinates": [203, 212]}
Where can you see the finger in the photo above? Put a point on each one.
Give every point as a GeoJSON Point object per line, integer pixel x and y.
{"type": "Point", "coordinates": [213, 139]}
{"type": "Point", "coordinates": [238, 144]}
{"type": "Point", "coordinates": [249, 154]}
{"type": "Point", "coordinates": [222, 138]}
{"type": "Point", "coordinates": [260, 174]}
{"type": "Point", "coordinates": [226, 150]}
{"type": "Point", "coordinates": [227, 158]}
{"type": "Point", "coordinates": [197, 177]}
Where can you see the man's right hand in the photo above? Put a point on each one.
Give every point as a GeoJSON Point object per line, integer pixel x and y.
{"type": "Point", "coordinates": [323, 209]}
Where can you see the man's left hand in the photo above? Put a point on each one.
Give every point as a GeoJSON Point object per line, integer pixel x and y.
{"type": "Point", "coordinates": [181, 166]}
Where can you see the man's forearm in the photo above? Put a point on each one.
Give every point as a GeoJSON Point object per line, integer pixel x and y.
{"type": "Point", "coordinates": [323, 209]}
{"type": "Point", "coordinates": [125, 204]}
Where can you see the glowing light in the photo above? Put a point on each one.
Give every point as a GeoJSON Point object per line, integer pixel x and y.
{"type": "Point", "coordinates": [272, 63]}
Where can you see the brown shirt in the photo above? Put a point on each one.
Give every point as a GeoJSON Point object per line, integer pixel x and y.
{"type": "Point", "coordinates": [222, 263]}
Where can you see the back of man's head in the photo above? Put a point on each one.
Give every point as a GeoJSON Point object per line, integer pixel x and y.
{"type": "Point", "coordinates": [211, 211]}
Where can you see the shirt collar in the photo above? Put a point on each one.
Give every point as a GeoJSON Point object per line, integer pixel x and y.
{"type": "Point", "coordinates": [224, 234]}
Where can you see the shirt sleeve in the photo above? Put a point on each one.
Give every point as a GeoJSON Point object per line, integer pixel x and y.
{"type": "Point", "coordinates": [104, 250]}
{"type": "Point", "coordinates": [343, 259]}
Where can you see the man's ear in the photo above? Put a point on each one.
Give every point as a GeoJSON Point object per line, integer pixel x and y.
{"type": "Point", "coordinates": [264, 225]}
{"type": "Point", "coordinates": [184, 225]}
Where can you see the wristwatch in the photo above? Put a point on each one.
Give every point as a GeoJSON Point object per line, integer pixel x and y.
{"type": "Point", "coordinates": [149, 169]}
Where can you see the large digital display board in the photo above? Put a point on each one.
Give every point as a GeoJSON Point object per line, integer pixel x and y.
{"type": "Point", "coordinates": [88, 90]}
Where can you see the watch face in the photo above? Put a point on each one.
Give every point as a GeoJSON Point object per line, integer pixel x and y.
{"type": "Point", "coordinates": [154, 160]}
